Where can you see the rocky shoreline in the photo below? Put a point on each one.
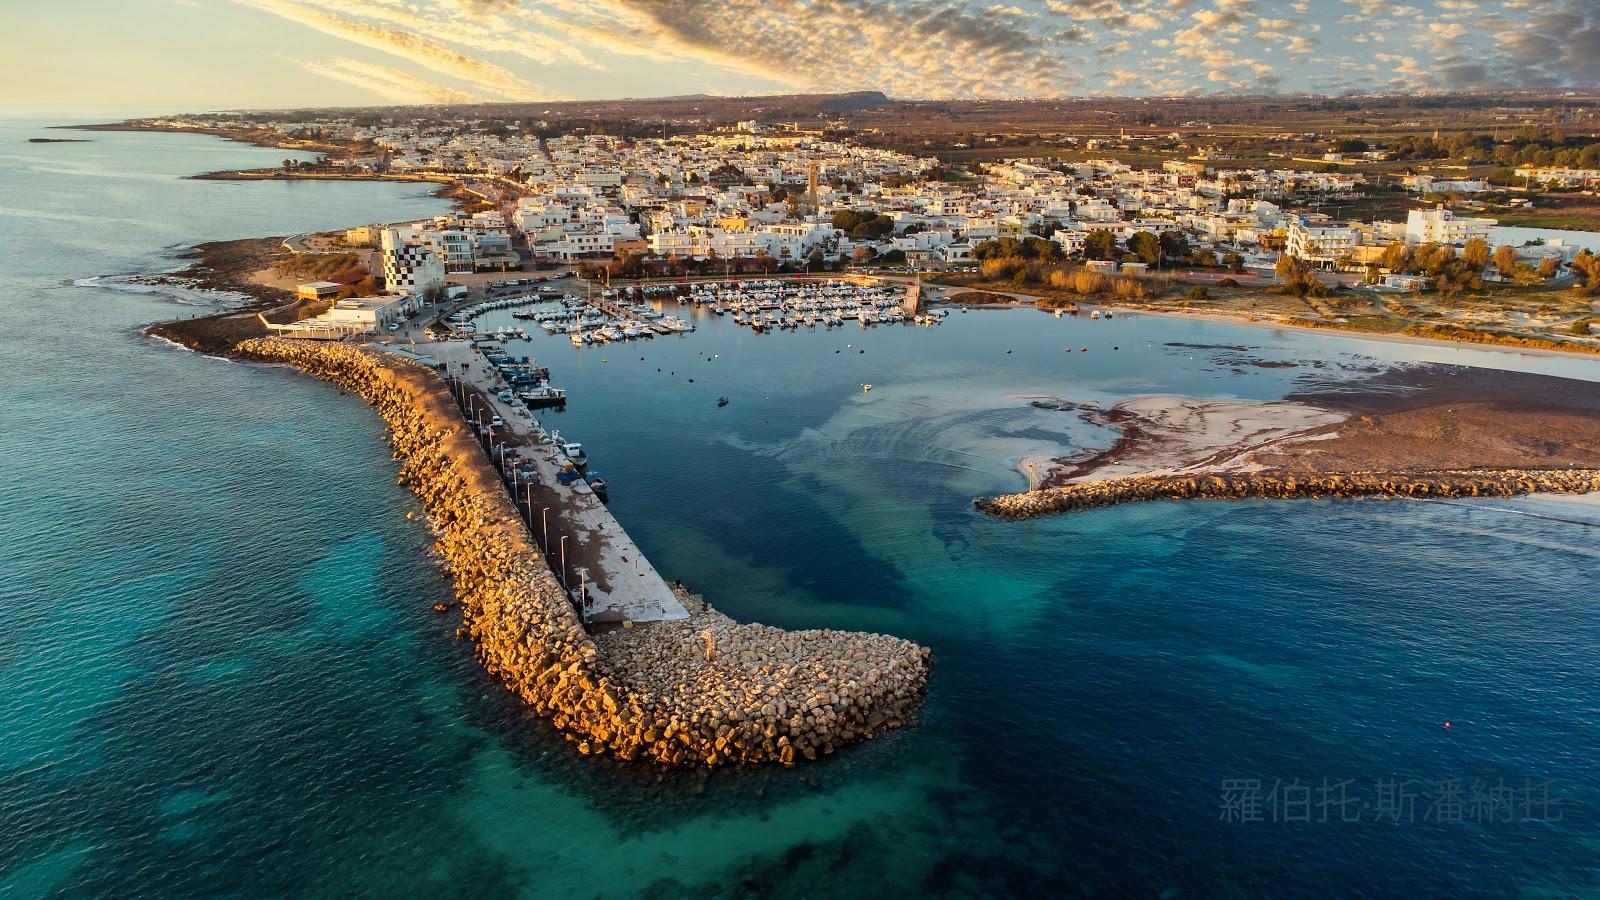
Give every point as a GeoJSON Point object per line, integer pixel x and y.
{"type": "Point", "coordinates": [703, 692]}
{"type": "Point", "coordinates": [1288, 485]}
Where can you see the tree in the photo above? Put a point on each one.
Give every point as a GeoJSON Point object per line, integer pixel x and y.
{"type": "Point", "coordinates": [1548, 267]}
{"type": "Point", "coordinates": [1146, 247]}
{"type": "Point", "coordinates": [1099, 244]}
{"type": "Point", "coordinates": [862, 223]}
{"type": "Point", "coordinates": [1476, 253]}
{"type": "Point", "coordinates": [1174, 245]}
{"type": "Point", "coordinates": [1456, 276]}
{"type": "Point", "coordinates": [1505, 259]}
{"type": "Point", "coordinates": [1039, 248]}
{"type": "Point", "coordinates": [814, 260]}
{"type": "Point", "coordinates": [1396, 257]}
{"type": "Point", "coordinates": [1297, 277]}
{"type": "Point", "coordinates": [1432, 258]}
{"type": "Point", "coordinates": [862, 254]}
{"type": "Point", "coordinates": [1587, 267]}
{"type": "Point", "coordinates": [1234, 262]}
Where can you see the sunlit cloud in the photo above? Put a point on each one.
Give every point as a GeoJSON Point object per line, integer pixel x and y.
{"type": "Point", "coordinates": [406, 45]}
{"type": "Point", "coordinates": [958, 48]}
{"type": "Point", "coordinates": [389, 83]}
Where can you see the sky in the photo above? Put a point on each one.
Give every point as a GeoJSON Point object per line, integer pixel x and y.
{"type": "Point", "coordinates": [155, 56]}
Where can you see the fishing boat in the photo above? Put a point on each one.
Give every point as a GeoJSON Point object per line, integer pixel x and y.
{"type": "Point", "coordinates": [572, 450]}
{"type": "Point", "coordinates": [599, 486]}
{"type": "Point", "coordinates": [540, 397]}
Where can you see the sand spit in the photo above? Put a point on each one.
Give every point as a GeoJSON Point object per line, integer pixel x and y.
{"type": "Point", "coordinates": [703, 692]}
{"type": "Point", "coordinates": [1166, 435]}
{"type": "Point", "coordinates": [1433, 431]}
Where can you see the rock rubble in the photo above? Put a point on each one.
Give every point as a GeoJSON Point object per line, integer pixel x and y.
{"type": "Point", "coordinates": [1289, 485]}
{"type": "Point", "coordinates": [706, 691]}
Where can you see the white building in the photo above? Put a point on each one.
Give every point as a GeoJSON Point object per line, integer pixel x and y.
{"type": "Point", "coordinates": [1321, 243]}
{"type": "Point", "coordinates": [410, 269]}
{"type": "Point", "coordinates": [1561, 176]}
{"type": "Point", "coordinates": [1441, 226]}
{"type": "Point", "coordinates": [367, 313]}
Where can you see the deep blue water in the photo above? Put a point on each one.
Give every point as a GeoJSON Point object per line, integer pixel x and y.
{"type": "Point", "coordinates": [222, 674]}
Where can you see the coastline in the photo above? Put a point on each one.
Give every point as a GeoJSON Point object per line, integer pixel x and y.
{"type": "Point", "coordinates": [1437, 430]}
{"type": "Point", "coordinates": [1565, 348]}
{"type": "Point", "coordinates": [703, 691]}
{"type": "Point", "coordinates": [1392, 337]}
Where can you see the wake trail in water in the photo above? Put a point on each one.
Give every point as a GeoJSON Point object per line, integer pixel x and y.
{"type": "Point", "coordinates": [1514, 512]}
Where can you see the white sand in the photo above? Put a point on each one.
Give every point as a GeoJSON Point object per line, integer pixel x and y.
{"type": "Point", "coordinates": [1184, 434]}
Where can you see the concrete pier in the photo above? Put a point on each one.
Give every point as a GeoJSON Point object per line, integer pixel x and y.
{"type": "Point", "coordinates": [701, 691]}
{"type": "Point", "coordinates": [597, 558]}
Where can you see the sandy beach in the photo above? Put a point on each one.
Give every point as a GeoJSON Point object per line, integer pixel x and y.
{"type": "Point", "coordinates": [1387, 337]}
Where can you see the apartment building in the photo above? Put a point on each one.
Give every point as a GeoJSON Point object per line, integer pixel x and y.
{"type": "Point", "coordinates": [410, 268]}
{"type": "Point", "coordinates": [1441, 226]}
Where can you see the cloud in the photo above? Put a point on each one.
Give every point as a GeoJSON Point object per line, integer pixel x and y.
{"type": "Point", "coordinates": [422, 51]}
{"type": "Point", "coordinates": [955, 48]}
{"type": "Point", "coordinates": [913, 48]}
{"type": "Point", "coordinates": [388, 83]}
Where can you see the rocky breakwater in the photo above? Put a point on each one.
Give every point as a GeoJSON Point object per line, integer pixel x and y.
{"type": "Point", "coordinates": [706, 691]}
{"type": "Point", "coordinates": [1287, 485]}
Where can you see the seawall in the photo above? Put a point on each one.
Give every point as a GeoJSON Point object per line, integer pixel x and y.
{"type": "Point", "coordinates": [1271, 485]}
{"type": "Point", "coordinates": [705, 691]}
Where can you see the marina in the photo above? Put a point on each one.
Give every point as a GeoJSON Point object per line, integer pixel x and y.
{"type": "Point", "coordinates": [614, 315]}
{"type": "Point", "coordinates": [217, 660]}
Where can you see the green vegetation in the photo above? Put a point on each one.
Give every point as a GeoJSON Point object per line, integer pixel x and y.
{"type": "Point", "coordinates": [341, 268]}
{"type": "Point", "coordinates": [1530, 146]}
{"type": "Point", "coordinates": [1295, 276]}
{"type": "Point", "coordinates": [863, 223]}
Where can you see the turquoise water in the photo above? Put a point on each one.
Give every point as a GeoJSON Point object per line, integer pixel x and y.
{"type": "Point", "coordinates": [222, 674]}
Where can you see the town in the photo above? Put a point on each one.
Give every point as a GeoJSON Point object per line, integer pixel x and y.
{"type": "Point", "coordinates": [763, 198]}
{"type": "Point", "coordinates": [882, 448]}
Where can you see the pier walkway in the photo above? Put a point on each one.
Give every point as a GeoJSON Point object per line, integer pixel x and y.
{"type": "Point", "coordinates": [585, 545]}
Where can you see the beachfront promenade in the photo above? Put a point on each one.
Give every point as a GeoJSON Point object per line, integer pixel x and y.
{"type": "Point", "coordinates": [585, 545]}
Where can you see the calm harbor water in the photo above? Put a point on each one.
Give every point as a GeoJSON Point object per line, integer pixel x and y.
{"type": "Point", "coordinates": [222, 674]}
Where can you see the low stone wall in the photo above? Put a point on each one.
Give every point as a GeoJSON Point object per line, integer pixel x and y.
{"type": "Point", "coordinates": [1279, 485]}
{"type": "Point", "coordinates": [706, 691]}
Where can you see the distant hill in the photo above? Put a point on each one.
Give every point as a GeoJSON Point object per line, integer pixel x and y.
{"type": "Point", "coordinates": [692, 107]}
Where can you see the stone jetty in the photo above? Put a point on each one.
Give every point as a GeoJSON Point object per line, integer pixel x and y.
{"type": "Point", "coordinates": [704, 691]}
{"type": "Point", "coordinates": [1289, 485]}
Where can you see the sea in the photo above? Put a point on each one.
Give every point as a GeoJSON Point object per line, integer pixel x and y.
{"type": "Point", "coordinates": [221, 674]}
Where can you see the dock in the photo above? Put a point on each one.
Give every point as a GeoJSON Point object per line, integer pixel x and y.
{"type": "Point", "coordinates": [608, 577]}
